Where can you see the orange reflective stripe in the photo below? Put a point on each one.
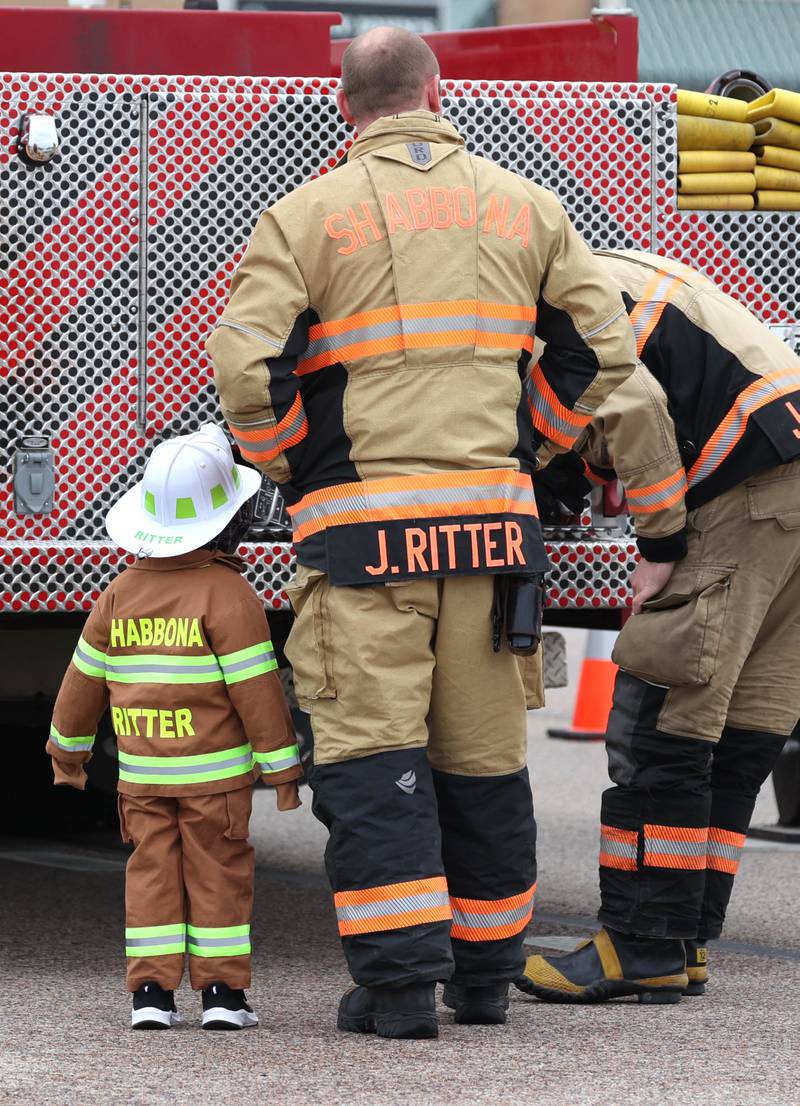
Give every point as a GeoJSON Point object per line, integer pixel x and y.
{"type": "Point", "coordinates": [618, 848]}
{"type": "Point", "coordinates": [658, 496]}
{"type": "Point", "coordinates": [646, 314]}
{"type": "Point", "coordinates": [266, 442]}
{"type": "Point", "coordinates": [730, 431]}
{"type": "Point", "coordinates": [724, 850]}
{"type": "Point", "coordinates": [675, 846]}
{"type": "Point", "coordinates": [491, 919]}
{"type": "Point", "coordinates": [439, 495]}
{"type": "Point", "coordinates": [550, 417]}
{"type": "Point", "coordinates": [418, 326]}
{"type": "Point", "coordinates": [392, 906]}
{"type": "Point", "coordinates": [591, 475]}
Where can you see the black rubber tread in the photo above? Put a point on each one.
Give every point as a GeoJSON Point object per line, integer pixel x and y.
{"type": "Point", "coordinates": [601, 991]}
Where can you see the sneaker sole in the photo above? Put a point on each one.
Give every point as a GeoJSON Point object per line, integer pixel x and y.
{"type": "Point", "coordinates": [220, 1018]}
{"type": "Point", "coordinates": [150, 1017]}
{"type": "Point", "coordinates": [602, 991]}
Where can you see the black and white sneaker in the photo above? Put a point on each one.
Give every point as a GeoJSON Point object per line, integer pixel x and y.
{"type": "Point", "coordinates": [153, 1008]}
{"type": "Point", "coordinates": [224, 1008]}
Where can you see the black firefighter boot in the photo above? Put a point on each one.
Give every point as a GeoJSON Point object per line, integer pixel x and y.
{"type": "Point", "coordinates": [610, 965]}
{"type": "Point", "coordinates": [403, 1013]}
{"type": "Point", "coordinates": [477, 1005]}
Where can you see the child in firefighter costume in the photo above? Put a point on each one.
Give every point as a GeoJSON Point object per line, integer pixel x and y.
{"type": "Point", "coordinates": [178, 646]}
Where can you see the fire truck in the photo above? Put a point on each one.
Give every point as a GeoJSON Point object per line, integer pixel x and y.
{"type": "Point", "coordinates": [131, 175]}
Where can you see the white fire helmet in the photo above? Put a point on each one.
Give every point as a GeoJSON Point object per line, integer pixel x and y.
{"type": "Point", "coordinates": [190, 490]}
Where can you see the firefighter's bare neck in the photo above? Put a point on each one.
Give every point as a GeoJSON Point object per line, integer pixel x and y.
{"type": "Point", "coordinates": [385, 71]}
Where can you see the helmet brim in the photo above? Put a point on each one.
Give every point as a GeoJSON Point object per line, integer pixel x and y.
{"type": "Point", "coordinates": [132, 529]}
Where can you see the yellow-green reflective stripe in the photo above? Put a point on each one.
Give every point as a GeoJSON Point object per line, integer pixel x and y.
{"type": "Point", "coordinates": [90, 650]}
{"type": "Point", "coordinates": [193, 777]}
{"type": "Point", "coordinates": [219, 940]}
{"type": "Point", "coordinates": [244, 664]}
{"type": "Point", "coordinates": [73, 744]}
{"type": "Point", "coordinates": [162, 668]}
{"type": "Point", "coordinates": [249, 673]}
{"type": "Point", "coordinates": [156, 950]}
{"type": "Point", "coordinates": [279, 759]}
{"type": "Point", "coordinates": [89, 660]}
{"type": "Point", "coordinates": [183, 660]}
{"type": "Point", "coordinates": [218, 931]}
{"type": "Point", "coordinates": [223, 950]}
{"type": "Point", "coordinates": [155, 940]}
{"type": "Point", "coordinates": [170, 677]}
{"type": "Point", "coordinates": [195, 758]}
{"type": "Point", "coordinates": [226, 659]}
{"type": "Point", "coordinates": [176, 928]}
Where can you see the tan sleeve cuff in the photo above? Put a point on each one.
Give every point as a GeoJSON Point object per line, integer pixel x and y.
{"type": "Point", "coordinates": [68, 774]}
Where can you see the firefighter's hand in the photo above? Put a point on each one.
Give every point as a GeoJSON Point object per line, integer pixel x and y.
{"type": "Point", "coordinates": [648, 579]}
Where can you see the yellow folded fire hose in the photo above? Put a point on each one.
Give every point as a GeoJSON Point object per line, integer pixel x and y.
{"type": "Point", "coordinates": [716, 161]}
{"type": "Point", "coordinates": [779, 103]}
{"type": "Point", "coordinates": [779, 156]}
{"type": "Point", "coordinates": [732, 202]}
{"type": "Point", "coordinates": [695, 133]}
{"type": "Point", "coordinates": [719, 183]}
{"type": "Point", "coordinates": [776, 132]}
{"type": "Point", "coordinates": [775, 201]}
{"type": "Point", "coordinates": [711, 107]}
{"type": "Point", "coordinates": [780, 180]}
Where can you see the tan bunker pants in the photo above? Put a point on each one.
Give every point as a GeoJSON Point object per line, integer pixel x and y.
{"type": "Point", "coordinates": [188, 887]}
{"type": "Point", "coordinates": [419, 773]}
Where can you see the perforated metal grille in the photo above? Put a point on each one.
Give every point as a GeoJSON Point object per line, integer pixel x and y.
{"type": "Point", "coordinates": [121, 251]}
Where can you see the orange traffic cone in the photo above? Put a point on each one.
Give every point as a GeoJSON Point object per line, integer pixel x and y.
{"type": "Point", "coordinates": [595, 690]}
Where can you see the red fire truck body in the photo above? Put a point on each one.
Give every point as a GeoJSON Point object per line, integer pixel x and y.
{"type": "Point", "coordinates": [117, 252]}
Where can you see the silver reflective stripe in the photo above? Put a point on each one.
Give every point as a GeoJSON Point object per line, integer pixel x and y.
{"type": "Point", "coordinates": [279, 765]}
{"type": "Point", "coordinates": [417, 497]}
{"type": "Point", "coordinates": [544, 408]}
{"type": "Point", "coordinates": [172, 669]}
{"type": "Point", "coordinates": [394, 328]}
{"type": "Point", "coordinates": [636, 499]}
{"type": "Point", "coordinates": [407, 905]}
{"type": "Point", "coordinates": [734, 431]}
{"type": "Point", "coordinates": [623, 849]}
{"type": "Point", "coordinates": [250, 331]}
{"type": "Point", "coordinates": [238, 666]}
{"type": "Point", "coordinates": [275, 435]}
{"type": "Point", "coordinates": [723, 850]}
{"type": "Point", "coordinates": [162, 939]}
{"type": "Point", "coordinates": [184, 770]}
{"type": "Point", "coordinates": [219, 942]}
{"type": "Point", "coordinates": [87, 658]}
{"type": "Point", "coordinates": [655, 301]}
{"type": "Point", "coordinates": [470, 920]}
{"type": "Point", "coordinates": [668, 847]}
{"type": "Point", "coordinates": [599, 329]}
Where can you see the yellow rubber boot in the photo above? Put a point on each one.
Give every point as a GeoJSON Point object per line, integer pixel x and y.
{"type": "Point", "coordinates": [696, 967]}
{"type": "Point", "coordinates": [610, 965]}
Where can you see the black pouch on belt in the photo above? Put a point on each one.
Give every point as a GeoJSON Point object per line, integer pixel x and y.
{"type": "Point", "coordinates": [517, 612]}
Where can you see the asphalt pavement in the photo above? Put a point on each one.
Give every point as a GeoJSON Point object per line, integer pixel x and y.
{"type": "Point", "coordinates": [64, 1021]}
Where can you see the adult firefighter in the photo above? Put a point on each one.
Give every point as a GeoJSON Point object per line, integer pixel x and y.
{"type": "Point", "coordinates": [705, 436]}
{"type": "Point", "coordinates": [370, 360]}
